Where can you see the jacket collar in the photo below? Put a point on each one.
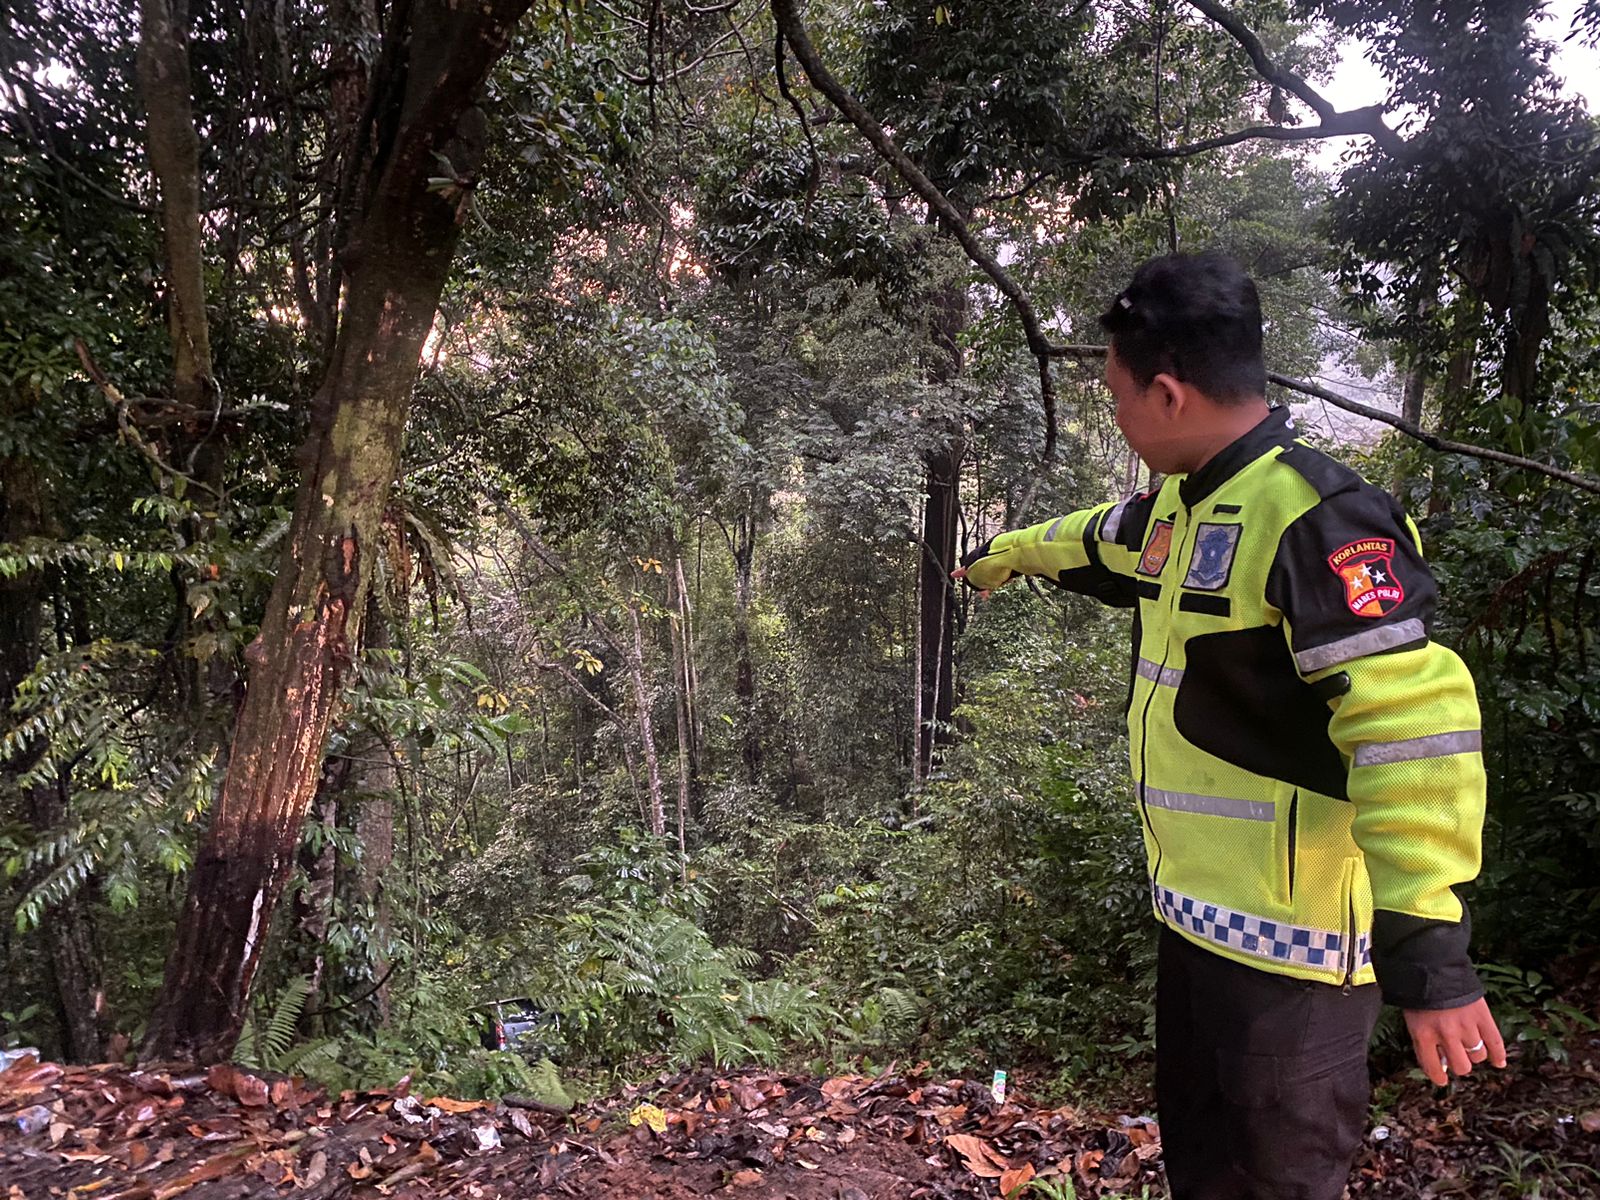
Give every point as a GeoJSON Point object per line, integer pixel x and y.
{"type": "Point", "coordinates": [1274, 429]}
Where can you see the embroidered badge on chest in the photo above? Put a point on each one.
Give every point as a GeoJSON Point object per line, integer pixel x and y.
{"type": "Point", "coordinates": [1212, 560]}
{"type": "Point", "coordinates": [1367, 569]}
{"type": "Point", "coordinates": [1156, 549]}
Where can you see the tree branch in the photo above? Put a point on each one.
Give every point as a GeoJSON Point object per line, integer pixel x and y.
{"type": "Point", "coordinates": [1367, 121]}
{"type": "Point", "coordinates": [793, 30]}
{"type": "Point", "coordinates": [1410, 428]}
{"type": "Point", "coordinates": [1344, 124]}
{"type": "Point", "coordinates": [1432, 440]}
{"type": "Point", "coordinates": [120, 404]}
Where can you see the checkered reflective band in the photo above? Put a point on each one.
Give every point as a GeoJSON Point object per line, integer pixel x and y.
{"type": "Point", "coordinates": [1258, 935]}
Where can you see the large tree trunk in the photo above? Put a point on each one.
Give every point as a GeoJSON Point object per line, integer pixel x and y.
{"type": "Point", "coordinates": [936, 620]}
{"type": "Point", "coordinates": [430, 69]}
{"type": "Point", "coordinates": [937, 615]}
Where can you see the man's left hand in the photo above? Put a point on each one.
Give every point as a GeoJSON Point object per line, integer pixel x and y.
{"type": "Point", "coordinates": [1450, 1040]}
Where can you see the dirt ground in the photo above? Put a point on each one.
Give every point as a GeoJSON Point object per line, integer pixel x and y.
{"type": "Point", "coordinates": [116, 1133]}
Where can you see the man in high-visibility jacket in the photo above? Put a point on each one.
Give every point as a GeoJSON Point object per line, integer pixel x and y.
{"type": "Point", "coordinates": [1306, 760]}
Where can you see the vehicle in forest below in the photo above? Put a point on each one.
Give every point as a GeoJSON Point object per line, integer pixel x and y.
{"type": "Point", "coordinates": [522, 1027]}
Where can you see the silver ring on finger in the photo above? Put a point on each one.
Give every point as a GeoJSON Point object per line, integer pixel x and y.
{"type": "Point", "coordinates": [1476, 1049]}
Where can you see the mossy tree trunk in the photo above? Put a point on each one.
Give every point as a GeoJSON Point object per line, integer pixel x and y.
{"type": "Point", "coordinates": [404, 228]}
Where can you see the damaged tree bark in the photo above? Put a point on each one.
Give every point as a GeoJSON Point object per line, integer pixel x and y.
{"type": "Point", "coordinates": [420, 109]}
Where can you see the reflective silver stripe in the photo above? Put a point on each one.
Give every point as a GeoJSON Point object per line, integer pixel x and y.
{"type": "Point", "coordinates": [1265, 938]}
{"type": "Point", "coordinates": [1156, 673]}
{"type": "Point", "coordinates": [1113, 522]}
{"type": "Point", "coordinates": [1215, 806]}
{"type": "Point", "coordinates": [1050, 534]}
{"type": "Point", "coordinates": [1359, 645]}
{"type": "Point", "coordinates": [1437, 745]}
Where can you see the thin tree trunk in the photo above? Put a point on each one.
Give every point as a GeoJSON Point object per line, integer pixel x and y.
{"type": "Point", "coordinates": [743, 546]}
{"type": "Point", "coordinates": [681, 691]}
{"type": "Point", "coordinates": [431, 67]}
{"type": "Point", "coordinates": [691, 680]}
{"type": "Point", "coordinates": [175, 159]}
{"type": "Point", "coordinates": [313, 903]}
{"type": "Point", "coordinates": [377, 777]}
{"type": "Point", "coordinates": [199, 444]}
{"type": "Point", "coordinates": [1411, 398]}
{"type": "Point", "coordinates": [936, 624]}
{"type": "Point", "coordinates": [918, 771]}
{"type": "Point", "coordinates": [937, 618]}
{"type": "Point", "coordinates": [647, 732]}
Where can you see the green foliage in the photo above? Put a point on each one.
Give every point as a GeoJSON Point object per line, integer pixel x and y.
{"type": "Point", "coordinates": [1529, 1014]}
{"type": "Point", "coordinates": [1012, 903]}
{"type": "Point", "coordinates": [18, 1026]}
{"type": "Point", "coordinates": [269, 1042]}
{"type": "Point", "coordinates": [632, 976]}
{"type": "Point", "coordinates": [137, 796]}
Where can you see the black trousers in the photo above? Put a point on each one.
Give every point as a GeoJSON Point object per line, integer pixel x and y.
{"type": "Point", "coordinates": [1261, 1080]}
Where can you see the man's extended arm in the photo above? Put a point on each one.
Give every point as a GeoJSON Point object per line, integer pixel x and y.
{"type": "Point", "coordinates": [1092, 551]}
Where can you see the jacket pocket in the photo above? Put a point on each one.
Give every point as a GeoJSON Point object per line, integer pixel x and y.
{"type": "Point", "coordinates": [1355, 903]}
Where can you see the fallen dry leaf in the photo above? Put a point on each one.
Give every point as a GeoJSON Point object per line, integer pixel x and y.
{"type": "Point", "coordinates": [1589, 1122]}
{"type": "Point", "coordinates": [446, 1104]}
{"type": "Point", "coordinates": [212, 1168]}
{"type": "Point", "coordinates": [981, 1158]}
{"type": "Point", "coordinates": [748, 1178]}
{"type": "Point", "coordinates": [1013, 1181]}
{"type": "Point", "coordinates": [251, 1090]}
{"type": "Point", "coordinates": [316, 1171]}
{"type": "Point", "coordinates": [840, 1085]}
{"type": "Point", "coordinates": [221, 1078]}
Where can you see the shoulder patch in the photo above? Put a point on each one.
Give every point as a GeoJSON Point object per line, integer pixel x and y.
{"type": "Point", "coordinates": [1156, 550]}
{"type": "Point", "coordinates": [1327, 475]}
{"type": "Point", "coordinates": [1372, 589]}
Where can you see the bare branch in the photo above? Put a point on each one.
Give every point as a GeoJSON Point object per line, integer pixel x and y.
{"type": "Point", "coordinates": [120, 405]}
{"type": "Point", "coordinates": [1345, 124]}
{"type": "Point", "coordinates": [1370, 120]}
{"type": "Point", "coordinates": [1410, 428]}
{"type": "Point", "coordinates": [805, 124]}
{"type": "Point", "coordinates": [1432, 440]}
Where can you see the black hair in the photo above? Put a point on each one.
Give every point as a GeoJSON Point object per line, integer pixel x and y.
{"type": "Point", "coordinates": [1196, 317]}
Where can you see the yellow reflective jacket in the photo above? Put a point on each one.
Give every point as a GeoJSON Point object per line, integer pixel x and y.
{"type": "Point", "coordinates": [1306, 761]}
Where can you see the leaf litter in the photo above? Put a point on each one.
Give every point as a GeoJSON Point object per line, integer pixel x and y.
{"type": "Point", "coordinates": [168, 1131]}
